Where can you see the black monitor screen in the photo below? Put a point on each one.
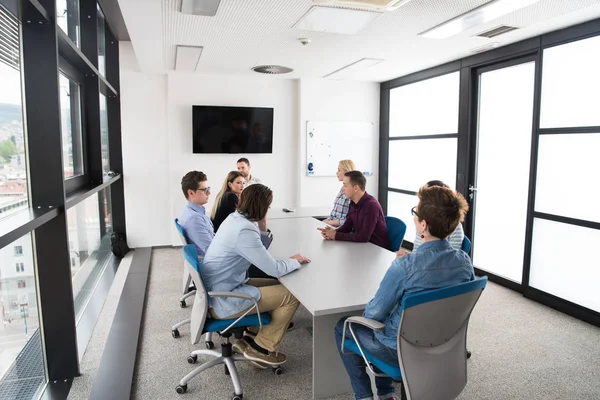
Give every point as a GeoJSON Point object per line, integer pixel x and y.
{"type": "Point", "coordinates": [232, 129]}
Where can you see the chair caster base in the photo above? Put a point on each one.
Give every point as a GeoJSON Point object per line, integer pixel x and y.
{"type": "Point", "coordinates": [277, 370]}
{"type": "Point", "coordinates": [192, 359]}
{"type": "Point", "coordinates": [237, 397]}
{"type": "Point", "coordinates": [209, 345]}
{"type": "Point", "coordinates": [468, 354]}
{"type": "Point", "coordinates": [182, 304]}
{"type": "Point", "coordinates": [181, 389]}
{"type": "Point", "coordinates": [175, 333]}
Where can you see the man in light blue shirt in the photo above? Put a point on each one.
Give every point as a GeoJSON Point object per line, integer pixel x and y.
{"type": "Point", "coordinates": [193, 219]}
{"type": "Point", "coordinates": [434, 265]}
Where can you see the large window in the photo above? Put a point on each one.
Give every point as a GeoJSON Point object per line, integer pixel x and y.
{"type": "Point", "coordinates": [104, 134]}
{"type": "Point", "coordinates": [566, 228]}
{"type": "Point", "coordinates": [70, 104]}
{"type": "Point", "coordinates": [67, 18]}
{"type": "Point", "coordinates": [423, 132]}
{"type": "Point", "coordinates": [13, 166]}
{"type": "Point", "coordinates": [89, 245]}
{"type": "Point", "coordinates": [20, 317]}
{"type": "Point", "coordinates": [101, 42]}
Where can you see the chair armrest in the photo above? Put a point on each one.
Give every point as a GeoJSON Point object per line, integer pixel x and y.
{"type": "Point", "coordinates": [239, 296]}
{"type": "Point", "coordinates": [369, 323]}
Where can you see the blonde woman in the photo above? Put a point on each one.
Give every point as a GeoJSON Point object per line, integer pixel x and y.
{"type": "Point", "coordinates": [341, 205]}
{"type": "Point", "coordinates": [227, 198]}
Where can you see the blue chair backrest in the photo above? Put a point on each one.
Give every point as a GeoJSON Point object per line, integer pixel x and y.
{"type": "Point", "coordinates": [414, 299]}
{"type": "Point", "coordinates": [466, 245]}
{"type": "Point", "coordinates": [181, 231]}
{"type": "Point", "coordinates": [396, 230]}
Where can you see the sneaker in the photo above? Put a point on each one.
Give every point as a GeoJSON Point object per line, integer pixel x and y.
{"type": "Point", "coordinates": [239, 346]}
{"type": "Point", "coordinates": [259, 365]}
{"type": "Point", "coordinates": [273, 358]}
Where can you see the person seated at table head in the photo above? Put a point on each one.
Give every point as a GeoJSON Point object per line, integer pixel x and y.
{"type": "Point", "coordinates": [236, 245]}
{"type": "Point", "coordinates": [341, 204]}
{"type": "Point", "coordinates": [243, 166]}
{"type": "Point", "coordinates": [193, 219]}
{"type": "Point", "coordinates": [365, 221]}
{"type": "Point", "coordinates": [455, 238]}
{"type": "Point", "coordinates": [227, 199]}
{"type": "Point", "coordinates": [434, 265]}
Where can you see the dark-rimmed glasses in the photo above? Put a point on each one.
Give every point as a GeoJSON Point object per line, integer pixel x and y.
{"type": "Point", "coordinates": [414, 212]}
{"type": "Point", "coordinates": [206, 190]}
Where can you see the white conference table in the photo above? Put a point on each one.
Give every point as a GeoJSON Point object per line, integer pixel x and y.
{"type": "Point", "coordinates": [302, 212]}
{"type": "Point", "coordinates": [339, 281]}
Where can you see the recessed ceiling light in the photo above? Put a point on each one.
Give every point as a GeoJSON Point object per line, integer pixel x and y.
{"type": "Point", "coordinates": [335, 20]}
{"type": "Point", "coordinates": [207, 8]}
{"type": "Point", "coordinates": [187, 57]}
{"type": "Point", "coordinates": [351, 69]}
{"type": "Point", "coordinates": [485, 47]}
{"type": "Point", "coordinates": [477, 16]}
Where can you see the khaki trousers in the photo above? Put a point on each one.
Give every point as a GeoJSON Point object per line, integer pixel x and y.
{"type": "Point", "coordinates": [282, 305]}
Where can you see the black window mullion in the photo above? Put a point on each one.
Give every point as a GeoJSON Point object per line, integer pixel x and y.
{"type": "Point", "coordinates": [45, 175]}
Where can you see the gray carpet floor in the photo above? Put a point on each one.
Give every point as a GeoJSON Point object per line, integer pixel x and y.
{"type": "Point", "coordinates": [521, 350]}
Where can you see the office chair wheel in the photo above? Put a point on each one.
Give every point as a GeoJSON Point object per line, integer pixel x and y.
{"type": "Point", "coordinates": [277, 370]}
{"type": "Point", "coordinates": [210, 345]}
{"type": "Point", "coordinates": [192, 359]}
{"type": "Point", "coordinates": [181, 389]}
{"type": "Point", "coordinates": [175, 333]}
{"type": "Point", "coordinates": [226, 370]}
{"type": "Point", "coordinates": [237, 397]}
{"type": "Point", "coordinates": [468, 354]}
{"type": "Point", "coordinates": [182, 303]}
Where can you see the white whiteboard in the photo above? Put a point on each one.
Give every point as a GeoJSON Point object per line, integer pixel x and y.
{"type": "Point", "coordinates": [328, 142]}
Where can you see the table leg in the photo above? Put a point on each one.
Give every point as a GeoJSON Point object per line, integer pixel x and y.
{"type": "Point", "coordinates": [329, 375]}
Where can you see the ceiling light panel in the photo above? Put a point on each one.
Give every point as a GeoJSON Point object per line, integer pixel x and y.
{"type": "Point", "coordinates": [354, 69]}
{"type": "Point", "coordinates": [335, 20]}
{"type": "Point", "coordinates": [187, 57]}
{"type": "Point", "coordinates": [478, 16]}
{"type": "Point", "coordinates": [207, 8]}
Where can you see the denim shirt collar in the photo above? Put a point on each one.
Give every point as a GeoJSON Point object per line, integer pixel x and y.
{"type": "Point", "coordinates": [197, 208]}
{"type": "Point", "coordinates": [435, 245]}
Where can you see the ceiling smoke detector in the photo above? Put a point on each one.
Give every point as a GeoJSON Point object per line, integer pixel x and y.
{"type": "Point", "coordinates": [272, 69]}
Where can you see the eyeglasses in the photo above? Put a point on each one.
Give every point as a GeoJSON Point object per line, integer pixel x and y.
{"type": "Point", "coordinates": [206, 190]}
{"type": "Point", "coordinates": [414, 212]}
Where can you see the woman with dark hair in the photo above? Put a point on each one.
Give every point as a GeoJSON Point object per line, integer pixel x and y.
{"type": "Point", "coordinates": [227, 199]}
{"type": "Point", "coordinates": [434, 265]}
{"type": "Point", "coordinates": [234, 248]}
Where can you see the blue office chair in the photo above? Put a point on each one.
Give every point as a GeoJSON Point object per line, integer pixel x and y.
{"type": "Point", "coordinates": [466, 244]}
{"type": "Point", "coordinates": [396, 230]}
{"type": "Point", "coordinates": [432, 338]}
{"type": "Point", "coordinates": [202, 322]}
{"type": "Point", "coordinates": [187, 292]}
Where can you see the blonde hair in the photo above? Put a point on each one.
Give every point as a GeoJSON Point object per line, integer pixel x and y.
{"type": "Point", "coordinates": [231, 177]}
{"type": "Point", "coordinates": [347, 165]}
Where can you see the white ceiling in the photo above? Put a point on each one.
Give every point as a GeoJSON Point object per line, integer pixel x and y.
{"type": "Point", "coordinates": [246, 33]}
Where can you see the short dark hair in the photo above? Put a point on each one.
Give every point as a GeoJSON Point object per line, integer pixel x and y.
{"type": "Point", "coordinates": [437, 183]}
{"type": "Point", "coordinates": [244, 159]}
{"type": "Point", "coordinates": [442, 208]}
{"type": "Point", "coordinates": [357, 178]}
{"type": "Point", "coordinates": [255, 201]}
{"type": "Point", "coordinates": [190, 181]}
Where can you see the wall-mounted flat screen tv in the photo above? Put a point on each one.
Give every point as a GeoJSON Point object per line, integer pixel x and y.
{"type": "Point", "coordinates": [232, 129]}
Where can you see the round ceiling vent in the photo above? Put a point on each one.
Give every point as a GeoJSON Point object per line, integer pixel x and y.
{"type": "Point", "coordinates": [272, 69]}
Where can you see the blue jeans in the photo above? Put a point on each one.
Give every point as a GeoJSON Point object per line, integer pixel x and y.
{"type": "Point", "coordinates": [355, 364]}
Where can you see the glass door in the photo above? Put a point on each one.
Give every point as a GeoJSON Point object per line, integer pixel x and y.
{"type": "Point", "coordinates": [500, 188]}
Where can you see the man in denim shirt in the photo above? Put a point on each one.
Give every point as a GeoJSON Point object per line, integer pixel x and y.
{"type": "Point", "coordinates": [434, 265]}
{"type": "Point", "coordinates": [193, 219]}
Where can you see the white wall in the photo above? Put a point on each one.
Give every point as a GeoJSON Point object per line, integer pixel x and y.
{"type": "Point", "coordinates": [327, 100]}
{"type": "Point", "coordinates": [145, 153]}
{"type": "Point", "coordinates": [156, 113]}
{"type": "Point", "coordinates": [275, 170]}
